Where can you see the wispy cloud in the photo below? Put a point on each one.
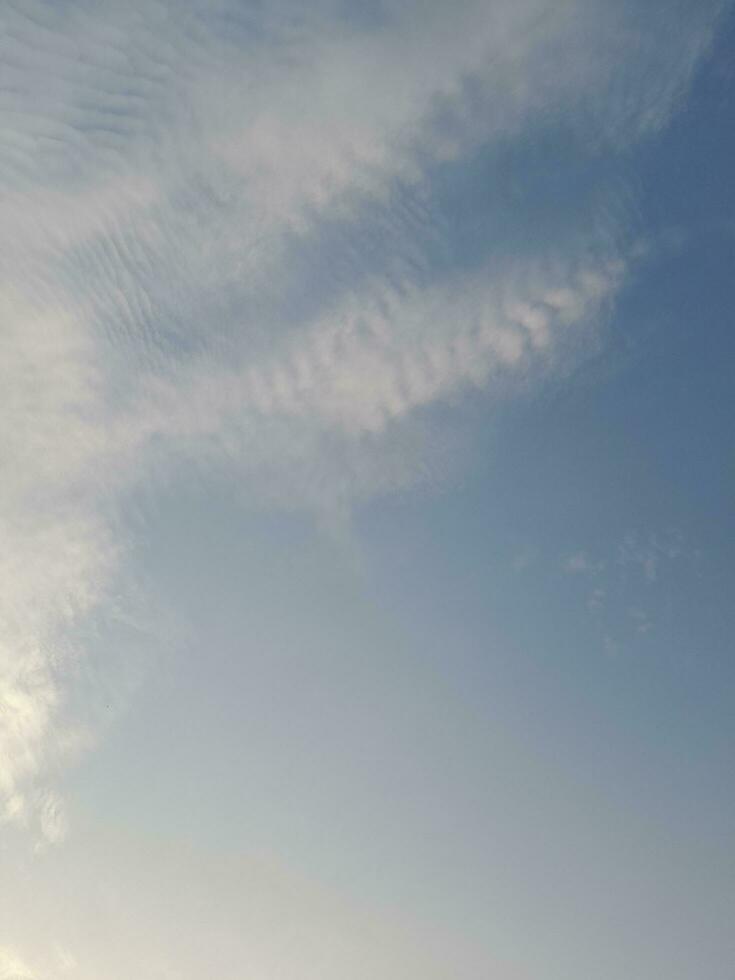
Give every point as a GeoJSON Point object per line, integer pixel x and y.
{"type": "Point", "coordinates": [12, 966]}
{"type": "Point", "coordinates": [581, 564]}
{"type": "Point", "coordinates": [647, 553]}
{"type": "Point", "coordinates": [222, 242]}
{"type": "Point", "coordinates": [622, 585]}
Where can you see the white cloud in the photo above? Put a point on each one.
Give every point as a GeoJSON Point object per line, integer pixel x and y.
{"type": "Point", "coordinates": [12, 966]}
{"type": "Point", "coordinates": [53, 821]}
{"type": "Point", "coordinates": [576, 562]}
{"type": "Point", "coordinates": [610, 645]}
{"type": "Point", "coordinates": [642, 620]}
{"type": "Point", "coordinates": [168, 172]}
{"type": "Point", "coordinates": [596, 600]}
{"type": "Point", "coordinates": [580, 564]}
{"type": "Point", "coordinates": [624, 586]}
{"type": "Point", "coordinates": [648, 553]}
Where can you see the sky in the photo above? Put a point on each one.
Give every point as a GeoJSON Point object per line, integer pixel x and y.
{"type": "Point", "coordinates": [366, 490]}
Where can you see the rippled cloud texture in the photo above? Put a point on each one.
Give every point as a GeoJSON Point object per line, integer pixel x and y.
{"type": "Point", "coordinates": [231, 241]}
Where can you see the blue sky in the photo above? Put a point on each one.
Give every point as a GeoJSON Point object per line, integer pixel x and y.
{"type": "Point", "coordinates": [366, 392]}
